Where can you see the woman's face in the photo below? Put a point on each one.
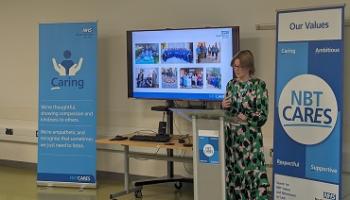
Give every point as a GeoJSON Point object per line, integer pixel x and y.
{"type": "Point", "coordinates": [240, 72]}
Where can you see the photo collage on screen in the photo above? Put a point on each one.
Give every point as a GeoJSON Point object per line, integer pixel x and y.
{"type": "Point", "coordinates": [180, 65]}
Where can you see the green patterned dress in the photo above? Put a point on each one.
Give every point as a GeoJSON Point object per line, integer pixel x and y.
{"type": "Point", "coordinates": [246, 176]}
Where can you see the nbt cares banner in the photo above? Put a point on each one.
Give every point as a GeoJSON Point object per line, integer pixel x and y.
{"type": "Point", "coordinates": [309, 104]}
{"type": "Point", "coordinates": [67, 104]}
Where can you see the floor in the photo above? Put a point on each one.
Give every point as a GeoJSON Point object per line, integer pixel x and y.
{"type": "Point", "coordinates": [20, 184]}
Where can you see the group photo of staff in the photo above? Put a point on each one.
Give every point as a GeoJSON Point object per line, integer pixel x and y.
{"type": "Point", "coordinates": [147, 77]}
{"type": "Point", "coordinates": [177, 53]}
{"type": "Point", "coordinates": [213, 76]}
{"type": "Point", "coordinates": [191, 78]}
{"type": "Point", "coordinates": [147, 53]}
{"type": "Point", "coordinates": [208, 52]}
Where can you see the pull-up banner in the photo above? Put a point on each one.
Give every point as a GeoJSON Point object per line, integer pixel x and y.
{"type": "Point", "coordinates": [67, 104]}
{"type": "Point", "coordinates": [309, 104]}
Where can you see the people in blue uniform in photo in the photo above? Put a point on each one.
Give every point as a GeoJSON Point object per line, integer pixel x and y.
{"type": "Point", "coordinates": [147, 54]}
{"type": "Point", "coordinates": [198, 52]}
{"type": "Point", "coordinates": [215, 51]}
{"type": "Point", "coordinates": [207, 54]}
{"type": "Point", "coordinates": [201, 51]}
{"type": "Point", "coordinates": [215, 81]}
{"type": "Point", "coordinates": [179, 53]}
{"type": "Point", "coordinates": [191, 80]}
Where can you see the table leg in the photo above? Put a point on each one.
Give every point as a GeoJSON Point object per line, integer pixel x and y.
{"type": "Point", "coordinates": [126, 176]}
{"type": "Point", "coordinates": [126, 168]}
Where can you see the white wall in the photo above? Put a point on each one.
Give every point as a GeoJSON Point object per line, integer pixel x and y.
{"type": "Point", "coordinates": [116, 113]}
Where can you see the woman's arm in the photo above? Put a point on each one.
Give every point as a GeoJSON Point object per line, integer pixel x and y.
{"type": "Point", "coordinates": [258, 117]}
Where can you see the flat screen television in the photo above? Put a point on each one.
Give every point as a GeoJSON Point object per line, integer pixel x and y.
{"type": "Point", "coordinates": [181, 64]}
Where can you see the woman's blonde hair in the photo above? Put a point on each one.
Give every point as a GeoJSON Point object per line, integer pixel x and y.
{"type": "Point", "coordinates": [246, 59]}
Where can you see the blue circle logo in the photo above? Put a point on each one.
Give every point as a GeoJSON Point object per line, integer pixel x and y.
{"type": "Point", "coordinates": [307, 109]}
{"type": "Point", "coordinates": [208, 150]}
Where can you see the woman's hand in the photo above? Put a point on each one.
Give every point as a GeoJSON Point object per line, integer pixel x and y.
{"type": "Point", "coordinates": [242, 117]}
{"type": "Point", "coordinates": [226, 103]}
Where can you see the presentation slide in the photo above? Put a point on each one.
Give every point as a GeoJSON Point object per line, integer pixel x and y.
{"type": "Point", "coordinates": [189, 64]}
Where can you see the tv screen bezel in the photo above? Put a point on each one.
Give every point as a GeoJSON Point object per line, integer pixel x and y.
{"type": "Point", "coordinates": [235, 45]}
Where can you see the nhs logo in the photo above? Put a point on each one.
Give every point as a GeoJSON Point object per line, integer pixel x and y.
{"type": "Point", "coordinates": [329, 195]}
{"type": "Point", "coordinates": [87, 30]}
{"type": "Point", "coordinates": [225, 34]}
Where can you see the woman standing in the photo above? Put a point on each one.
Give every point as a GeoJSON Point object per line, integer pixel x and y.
{"type": "Point", "coordinates": [246, 105]}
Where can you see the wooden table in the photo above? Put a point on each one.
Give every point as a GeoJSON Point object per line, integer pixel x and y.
{"type": "Point", "coordinates": [172, 144]}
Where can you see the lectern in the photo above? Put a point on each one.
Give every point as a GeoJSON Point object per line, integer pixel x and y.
{"type": "Point", "coordinates": [208, 152]}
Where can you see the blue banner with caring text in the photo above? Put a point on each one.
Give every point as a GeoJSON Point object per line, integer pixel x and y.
{"type": "Point", "coordinates": [67, 104]}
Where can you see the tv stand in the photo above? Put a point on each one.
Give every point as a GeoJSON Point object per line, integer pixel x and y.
{"type": "Point", "coordinates": [160, 108]}
{"type": "Point", "coordinates": [166, 108]}
{"type": "Point", "coordinates": [170, 154]}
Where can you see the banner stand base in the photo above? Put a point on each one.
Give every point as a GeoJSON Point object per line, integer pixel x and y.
{"type": "Point", "coordinates": [66, 184]}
